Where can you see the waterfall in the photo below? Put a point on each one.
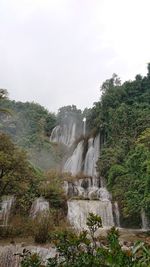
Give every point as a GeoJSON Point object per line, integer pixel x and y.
{"type": "Point", "coordinates": [88, 188]}
{"type": "Point", "coordinates": [92, 156]}
{"type": "Point", "coordinates": [5, 209]}
{"type": "Point", "coordinates": [96, 152]}
{"type": "Point", "coordinates": [39, 206]}
{"type": "Point", "coordinates": [72, 135]}
{"type": "Point", "coordinates": [55, 135]}
{"type": "Point", "coordinates": [74, 163]}
{"type": "Point", "coordinates": [78, 211]}
{"type": "Point", "coordinates": [84, 126]}
{"type": "Point", "coordinates": [116, 214]}
{"type": "Point", "coordinates": [145, 222]}
{"type": "Point", "coordinates": [89, 159]}
{"type": "Point", "coordinates": [94, 199]}
{"type": "Point", "coordinates": [90, 191]}
{"type": "Point", "coordinates": [91, 197]}
{"type": "Point", "coordinates": [65, 134]}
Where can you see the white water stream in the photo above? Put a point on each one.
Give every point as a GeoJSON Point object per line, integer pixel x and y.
{"type": "Point", "coordinates": [5, 209]}
{"type": "Point", "coordinates": [78, 211]}
{"type": "Point", "coordinates": [64, 134]}
{"type": "Point", "coordinates": [74, 163]}
{"type": "Point", "coordinates": [39, 206]}
{"type": "Point", "coordinates": [86, 196]}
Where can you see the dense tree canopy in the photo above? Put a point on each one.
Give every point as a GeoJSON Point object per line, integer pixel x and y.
{"type": "Point", "coordinates": [123, 118]}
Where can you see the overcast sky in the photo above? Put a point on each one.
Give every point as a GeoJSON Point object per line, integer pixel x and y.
{"type": "Point", "coordinates": [58, 52]}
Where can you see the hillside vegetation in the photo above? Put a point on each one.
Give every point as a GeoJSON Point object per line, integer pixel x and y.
{"type": "Point", "coordinates": [123, 118]}
{"type": "Point", "coordinates": [30, 125]}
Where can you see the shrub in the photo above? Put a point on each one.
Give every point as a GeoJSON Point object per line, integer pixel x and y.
{"type": "Point", "coordinates": [43, 225]}
{"type": "Point", "coordinates": [78, 250]}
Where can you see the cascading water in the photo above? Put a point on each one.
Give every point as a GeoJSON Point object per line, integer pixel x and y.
{"type": "Point", "coordinates": [96, 152]}
{"type": "Point", "coordinates": [116, 214]}
{"type": "Point", "coordinates": [65, 134]}
{"type": "Point", "coordinates": [84, 126]}
{"type": "Point", "coordinates": [5, 209]}
{"type": "Point", "coordinates": [89, 159]}
{"type": "Point", "coordinates": [92, 156]}
{"type": "Point", "coordinates": [93, 198]}
{"type": "Point", "coordinates": [72, 135]}
{"type": "Point", "coordinates": [39, 206]}
{"type": "Point", "coordinates": [74, 163]}
{"type": "Point", "coordinates": [90, 192]}
{"type": "Point", "coordinates": [78, 211]}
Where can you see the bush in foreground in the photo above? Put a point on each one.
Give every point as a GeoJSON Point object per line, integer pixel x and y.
{"type": "Point", "coordinates": [80, 250]}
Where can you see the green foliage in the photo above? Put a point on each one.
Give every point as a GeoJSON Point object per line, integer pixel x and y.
{"type": "Point", "coordinates": [16, 173]}
{"type": "Point", "coordinates": [68, 113]}
{"type": "Point", "coordinates": [144, 138]}
{"type": "Point", "coordinates": [115, 171]}
{"type": "Point", "coordinates": [29, 118]}
{"type": "Point", "coordinates": [130, 182]}
{"type": "Point", "coordinates": [109, 157]}
{"type": "Point", "coordinates": [123, 118]}
{"type": "Point", "coordinates": [52, 189]}
{"type": "Point", "coordinates": [30, 260]}
{"type": "Point", "coordinates": [42, 227]}
{"type": "Point", "coordinates": [78, 251]}
{"type": "Point", "coordinates": [3, 96]}
{"type": "Point", "coordinates": [93, 222]}
{"type": "Point", "coordinates": [30, 126]}
{"type": "Point", "coordinates": [20, 226]}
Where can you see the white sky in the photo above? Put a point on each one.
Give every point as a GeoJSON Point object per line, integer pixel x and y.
{"type": "Point", "coordinates": [58, 52]}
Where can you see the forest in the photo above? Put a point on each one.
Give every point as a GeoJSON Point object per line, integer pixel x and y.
{"type": "Point", "coordinates": [123, 118]}
{"type": "Point", "coordinates": [28, 159]}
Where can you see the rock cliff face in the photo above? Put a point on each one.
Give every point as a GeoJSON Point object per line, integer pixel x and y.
{"type": "Point", "coordinates": [39, 206]}
{"type": "Point", "coordinates": [86, 195]}
{"type": "Point", "coordinates": [78, 211]}
{"type": "Point", "coordinates": [85, 163]}
{"type": "Point", "coordinates": [90, 193]}
{"type": "Point", "coordinates": [65, 134]}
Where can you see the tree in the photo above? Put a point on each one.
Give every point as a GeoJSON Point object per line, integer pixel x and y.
{"type": "Point", "coordinates": [144, 138]}
{"type": "Point", "coordinates": [4, 95]}
{"type": "Point", "coordinates": [148, 68]}
{"type": "Point", "coordinates": [16, 173]}
{"type": "Point", "coordinates": [67, 113]}
{"type": "Point", "coordinates": [77, 250]}
{"type": "Point", "coordinates": [29, 127]}
{"type": "Point", "coordinates": [110, 83]}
